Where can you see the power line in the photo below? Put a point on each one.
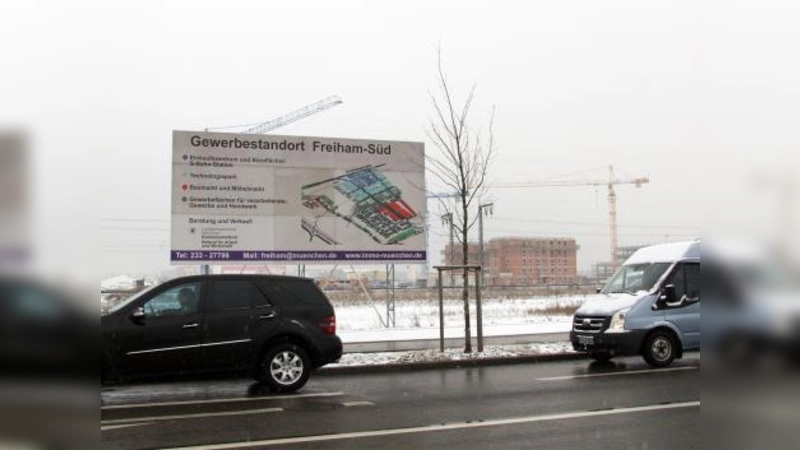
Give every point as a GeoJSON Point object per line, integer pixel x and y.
{"type": "Point", "coordinates": [562, 234]}
{"type": "Point", "coordinates": [133, 229]}
{"type": "Point", "coordinates": [121, 219]}
{"type": "Point", "coordinates": [160, 251]}
{"type": "Point", "coordinates": [557, 222]}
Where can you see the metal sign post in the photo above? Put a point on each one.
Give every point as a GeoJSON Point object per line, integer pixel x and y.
{"type": "Point", "coordinates": [478, 306]}
{"type": "Point", "coordinates": [441, 312]}
{"type": "Point", "coordinates": [390, 307]}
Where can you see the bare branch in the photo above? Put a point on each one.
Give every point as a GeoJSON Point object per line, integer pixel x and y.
{"type": "Point", "coordinates": [461, 164]}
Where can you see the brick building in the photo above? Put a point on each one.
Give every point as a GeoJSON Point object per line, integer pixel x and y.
{"type": "Point", "coordinates": [458, 254]}
{"type": "Point", "coordinates": [517, 261]}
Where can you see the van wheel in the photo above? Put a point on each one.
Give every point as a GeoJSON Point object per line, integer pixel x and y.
{"type": "Point", "coordinates": [284, 368]}
{"type": "Point", "coordinates": [660, 349]}
{"type": "Point", "coordinates": [602, 357]}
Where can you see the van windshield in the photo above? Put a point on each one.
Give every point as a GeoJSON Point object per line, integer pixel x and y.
{"type": "Point", "coordinates": [633, 278]}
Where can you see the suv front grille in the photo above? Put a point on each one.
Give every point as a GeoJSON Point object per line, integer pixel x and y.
{"type": "Point", "coordinates": [589, 324]}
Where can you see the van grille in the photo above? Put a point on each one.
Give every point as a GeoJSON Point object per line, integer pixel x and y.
{"type": "Point", "coordinates": [589, 324]}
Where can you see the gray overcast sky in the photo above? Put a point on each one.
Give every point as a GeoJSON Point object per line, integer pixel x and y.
{"type": "Point", "coordinates": [699, 96]}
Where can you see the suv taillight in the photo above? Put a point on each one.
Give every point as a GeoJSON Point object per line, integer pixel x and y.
{"type": "Point", "coordinates": [328, 325]}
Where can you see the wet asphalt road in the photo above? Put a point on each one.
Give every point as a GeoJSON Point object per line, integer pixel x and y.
{"type": "Point", "coordinates": [569, 405]}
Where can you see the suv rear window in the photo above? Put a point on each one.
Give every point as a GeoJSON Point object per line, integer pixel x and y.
{"type": "Point", "coordinates": [226, 295]}
{"type": "Point", "coordinates": [295, 292]}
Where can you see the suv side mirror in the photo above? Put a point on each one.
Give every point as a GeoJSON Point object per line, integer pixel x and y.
{"type": "Point", "coordinates": [137, 316]}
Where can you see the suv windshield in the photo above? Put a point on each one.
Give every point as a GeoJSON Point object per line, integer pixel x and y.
{"type": "Point", "coordinates": [633, 278]}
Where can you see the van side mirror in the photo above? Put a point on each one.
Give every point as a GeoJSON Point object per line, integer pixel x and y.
{"type": "Point", "coordinates": [668, 296]}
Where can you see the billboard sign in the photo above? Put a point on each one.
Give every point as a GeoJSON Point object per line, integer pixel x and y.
{"type": "Point", "coordinates": [248, 198]}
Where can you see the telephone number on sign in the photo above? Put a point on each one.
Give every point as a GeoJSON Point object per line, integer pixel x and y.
{"type": "Point", "coordinates": [201, 256]}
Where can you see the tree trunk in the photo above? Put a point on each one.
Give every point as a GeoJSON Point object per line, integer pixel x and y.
{"type": "Point", "coordinates": [465, 285]}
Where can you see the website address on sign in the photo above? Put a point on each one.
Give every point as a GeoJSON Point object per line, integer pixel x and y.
{"type": "Point", "coordinates": [270, 255]}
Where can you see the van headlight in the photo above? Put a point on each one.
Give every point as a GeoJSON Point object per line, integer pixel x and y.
{"type": "Point", "coordinates": [617, 324]}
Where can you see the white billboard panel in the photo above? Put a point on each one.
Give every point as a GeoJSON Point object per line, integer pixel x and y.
{"type": "Point", "coordinates": [247, 198]}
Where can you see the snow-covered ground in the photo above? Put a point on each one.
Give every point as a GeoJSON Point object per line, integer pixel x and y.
{"type": "Point", "coordinates": [419, 319]}
{"type": "Point", "coordinates": [118, 283]}
{"type": "Point", "coordinates": [552, 324]}
{"type": "Point", "coordinates": [505, 351]}
{"type": "Point", "coordinates": [425, 313]}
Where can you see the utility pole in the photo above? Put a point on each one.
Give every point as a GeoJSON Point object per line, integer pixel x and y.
{"type": "Point", "coordinates": [612, 217]}
{"type": "Point", "coordinates": [483, 210]}
{"type": "Point", "coordinates": [438, 196]}
{"type": "Point", "coordinates": [447, 219]}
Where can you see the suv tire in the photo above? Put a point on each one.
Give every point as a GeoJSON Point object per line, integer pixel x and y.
{"type": "Point", "coordinates": [284, 368]}
{"type": "Point", "coordinates": [660, 349]}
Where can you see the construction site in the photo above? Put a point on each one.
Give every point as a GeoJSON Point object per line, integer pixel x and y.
{"type": "Point", "coordinates": [513, 265]}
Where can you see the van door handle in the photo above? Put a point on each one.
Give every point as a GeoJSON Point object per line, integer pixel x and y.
{"type": "Point", "coordinates": [191, 325]}
{"type": "Point", "coordinates": [270, 315]}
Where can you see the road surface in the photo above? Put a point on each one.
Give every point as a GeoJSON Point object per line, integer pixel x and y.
{"type": "Point", "coordinates": [560, 405]}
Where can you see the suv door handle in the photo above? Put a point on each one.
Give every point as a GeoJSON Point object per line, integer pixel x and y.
{"type": "Point", "coordinates": [191, 325]}
{"type": "Point", "coordinates": [270, 315]}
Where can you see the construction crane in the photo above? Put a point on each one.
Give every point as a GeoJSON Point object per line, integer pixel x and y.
{"type": "Point", "coordinates": [611, 183]}
{"type": "Point", "coordinates": [441, 195]}
{"type": "Point", "coordinates": [296, 115]}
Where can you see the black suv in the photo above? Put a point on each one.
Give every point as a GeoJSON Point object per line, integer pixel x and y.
{"type": "Point", "coordinates": [278, 327]}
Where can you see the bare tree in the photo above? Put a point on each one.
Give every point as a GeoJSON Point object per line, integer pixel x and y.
{"type": "Point", "coordinates": [461, 163]}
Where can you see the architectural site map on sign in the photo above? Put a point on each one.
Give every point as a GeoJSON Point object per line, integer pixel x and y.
{"type": "Point", "coordinates": [364, 198]}
{"type": "Point", "coordinates": [242, 198]}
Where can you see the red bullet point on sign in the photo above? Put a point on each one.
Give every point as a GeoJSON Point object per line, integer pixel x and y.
{"type": "Point", "coordinates": [185, 187]}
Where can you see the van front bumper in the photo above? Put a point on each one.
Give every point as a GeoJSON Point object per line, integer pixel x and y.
{"type": "Point", "coordinates": [628, 343]}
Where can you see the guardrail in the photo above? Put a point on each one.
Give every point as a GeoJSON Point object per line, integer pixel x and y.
{"type": "Point", "coordinates": [456, 342]}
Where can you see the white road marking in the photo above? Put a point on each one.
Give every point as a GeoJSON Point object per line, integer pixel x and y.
{"type": "Point", "coordinates": [443, 427]}
{"type": "Point", "coordinates": [222, 400]}
{"type": "Point", "coordinates": [190, 416]}
{"type": "Point", "coordinates": [127, 425]}
{"type": "Point", "coordinates": [349, 404]}
{"type": "Point", "coordinates": [614, 374]}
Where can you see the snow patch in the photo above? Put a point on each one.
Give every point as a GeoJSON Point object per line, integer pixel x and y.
{"type": "Point", "coordinates": [452, 354]}
{"type": "Point", "coordinates": [665, 252]}
{"type": "Point", "coordinates": [118, 283]}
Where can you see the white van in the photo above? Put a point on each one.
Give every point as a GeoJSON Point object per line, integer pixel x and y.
{"type": "Point", "coordinates": [649, 307]}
